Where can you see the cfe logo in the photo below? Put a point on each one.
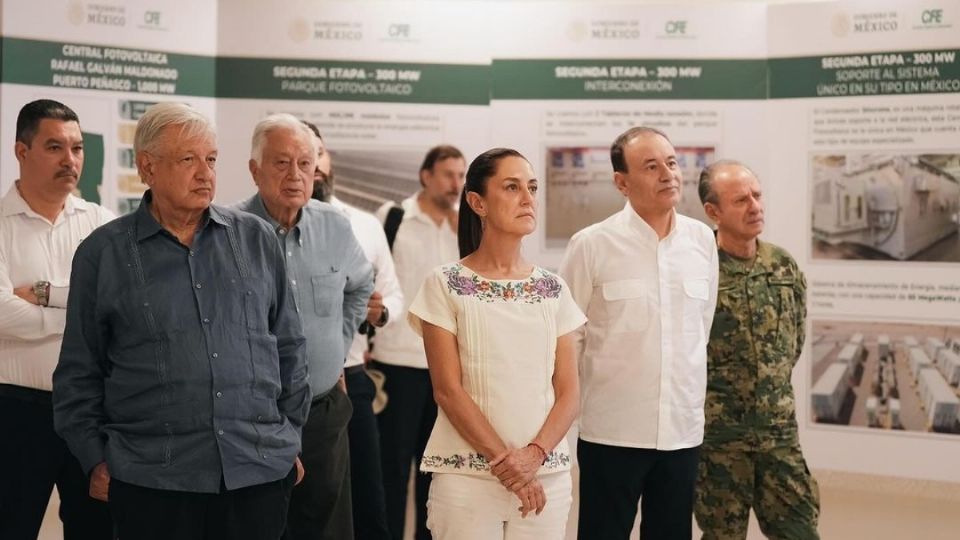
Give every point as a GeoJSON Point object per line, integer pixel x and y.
{"type": "Point", "coordinates": [151, 18]}
{"type": "Point", "coordinates": [675, 27]}
{"type": "Point", "coordinates": [932, 16]}
{"type": "Point", "coordinates": [933, 19]}
{"type": "Point", "coordinates": [399, 31]}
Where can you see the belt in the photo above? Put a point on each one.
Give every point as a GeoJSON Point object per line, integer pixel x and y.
{"type": "Point", "coordinates": [22, 393]}
{"type": "Point", "coordinates": [353, 370]}
{"type": "Point", "coordinates": [320, 397]}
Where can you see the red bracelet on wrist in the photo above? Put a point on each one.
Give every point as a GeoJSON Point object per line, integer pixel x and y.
{"type": "Point", "coordinates": [542, 451]}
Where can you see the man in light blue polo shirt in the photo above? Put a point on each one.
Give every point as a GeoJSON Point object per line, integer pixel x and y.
{"type": "Point", "coordinates": [331, 281]}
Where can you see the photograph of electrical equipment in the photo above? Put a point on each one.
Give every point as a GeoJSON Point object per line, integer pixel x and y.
{"type": "Point", "coordinates": [886, 376]}
{"type": "Point", "coordinates": [886, 207]}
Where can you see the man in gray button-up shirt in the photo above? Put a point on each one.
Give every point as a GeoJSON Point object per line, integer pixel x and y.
{"type": "Point", "coordinates": [332, 280]}
{"type": "Point", "coordinates": [182, 385]}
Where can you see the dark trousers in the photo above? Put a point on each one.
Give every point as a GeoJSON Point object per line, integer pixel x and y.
{"type": "Point", "coordinates": [251, 513]}
{"type": "Point", "coordinates": [614, 478]}
{"type": "Point", "coordinates": [320, 508]}
{"type": "Point", "coordinates": [405, 426]}
{"type": "Point", "coordinates": [32, 460]}
{"type": "Point", "coordinates": [366, 476]}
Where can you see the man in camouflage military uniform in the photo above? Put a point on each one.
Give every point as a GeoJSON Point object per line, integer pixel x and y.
{"type": "Point", "coordinates": [751, 455]}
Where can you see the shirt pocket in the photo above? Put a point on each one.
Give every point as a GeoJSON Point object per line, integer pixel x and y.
{"type": "Point", "coordinates": [246, 302]}
{"type": "Point", "coordinates": [626, 304]}
{"type": "Point", "coordinates": [696, 294]}
{"type": "Point", "coordinates": [726, 334]}
{"type": "Point", "coordinates": [149, 311]}
{"type": "Point", "coordinates": [328, 292]}
{"type": "Point", "coordinates": [782, 292]}
{"type": "Point", "coordinates": [697, 289]}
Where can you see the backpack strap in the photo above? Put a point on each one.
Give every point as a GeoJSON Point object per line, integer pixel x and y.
{"type": "Point", "coordinates": [392, 223]}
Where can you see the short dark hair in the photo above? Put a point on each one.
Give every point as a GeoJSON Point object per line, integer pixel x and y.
{"type": "Point", "coordinates": [705, 183]}
{"type": "Point", "coordinates": [439, 153]}
{"type": "Point", "coordinates": [482, 168]}
{"type": "Point", "coordinates": [616, 149]}
{"type": "Point", "coordinates": [313, 127]}
{"type": "Point", "coordinates": [28, 121]}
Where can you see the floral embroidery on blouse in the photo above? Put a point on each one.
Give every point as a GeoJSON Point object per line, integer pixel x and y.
{"type": "Point", "coordinates": [533, 290]}
{"type": "Point", "coordinates": [477, 462]}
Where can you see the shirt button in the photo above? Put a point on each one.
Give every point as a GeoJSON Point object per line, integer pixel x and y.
{"type": "Point", "coordinates": [215, 355]}
{"type": "Point", "coordinates": [191, 253]}
{"type": "Point", "coordinates": [264, 456]}
{"type": "Point", "coordinates": [219, 394]}
{"type": "Point", "coordinates": [198, 285]}
{"type": "Point", "coordinates": [294, 282]}
{"type": "Point", "coordinates": [289, 254]}
{"type": "Point", "coordinates": [219, 432]}
{"type": "Point", "coordinates": [281, 230]}
{"type": "Point", "coordinates": [259, 418]}
{"type": "Point", "coordinates": [206, 321]}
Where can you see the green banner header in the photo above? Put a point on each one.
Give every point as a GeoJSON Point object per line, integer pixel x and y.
{"type": "Point", "coordinates": [873, 74]}
{"type": "Point", "coordinates": [329, 80]}
{"type": "Point", "coordinates": [629, 79]}
{"type": "Point", "coordinates": [119, 69]}
{"type": "Point", "coordinates": [99, 67]}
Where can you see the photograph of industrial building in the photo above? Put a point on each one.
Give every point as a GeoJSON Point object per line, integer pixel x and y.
{"type": "Point", "coordinates": [886, 376]}
{"type": "Point", "coordinates": [580, 189]}
{"type": "Point", "coordinates": [368, 178]}
{"type": "Point", "coordinates": [886, 207]}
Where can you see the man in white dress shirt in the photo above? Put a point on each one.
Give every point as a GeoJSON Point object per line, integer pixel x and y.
{"type": "Point", "coordinates": [41, 225]}
{"type": "Point", "coordinates": [647, 279]}
{"type": "Point", "coordinates": [366, 477]}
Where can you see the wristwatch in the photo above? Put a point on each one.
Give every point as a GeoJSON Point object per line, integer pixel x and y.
{"type": "Point", "coordinates": [41, 290]}
{"type": "Point", "coordinates": [384, 316]}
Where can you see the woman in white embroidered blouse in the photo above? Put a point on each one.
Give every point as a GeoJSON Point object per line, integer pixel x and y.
{"type": "Point", "coordinates": [498, 333]}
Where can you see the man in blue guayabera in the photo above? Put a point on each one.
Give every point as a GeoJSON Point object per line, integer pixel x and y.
{"type": "Point", "coordinates": [182, 382]}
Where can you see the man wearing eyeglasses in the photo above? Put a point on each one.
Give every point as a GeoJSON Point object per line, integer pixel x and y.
{"type": "Point", "coordinates": [182, 383]}
{"type": "Point", "coordinates": [331, 281]}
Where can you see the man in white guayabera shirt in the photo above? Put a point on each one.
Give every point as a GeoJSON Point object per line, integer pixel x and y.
{"type": "Point", "coordinates": [647, 279]}
{"type": "Point", "coordinates": [41, 225]}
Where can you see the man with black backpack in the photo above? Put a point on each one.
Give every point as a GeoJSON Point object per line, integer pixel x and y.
{"type": "Point", "coordinates": [422, 233]}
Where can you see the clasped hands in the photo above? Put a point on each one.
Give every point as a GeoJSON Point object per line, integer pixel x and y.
{"type": "Point", "coordinates": [516, 469]}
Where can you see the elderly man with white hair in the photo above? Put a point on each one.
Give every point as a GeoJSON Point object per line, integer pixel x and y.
{"type": "Point", "coordinates": [331, 280]}
{"type": "Point", "coordinates": [182, 382]}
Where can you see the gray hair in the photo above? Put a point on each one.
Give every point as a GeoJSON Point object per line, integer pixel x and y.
{"type": "Point", "coordinates": [193, 123]}
{"type": "Point", "coordinates": [705, 184]}
{"type": "Point", "coordinates": [278, 121]}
